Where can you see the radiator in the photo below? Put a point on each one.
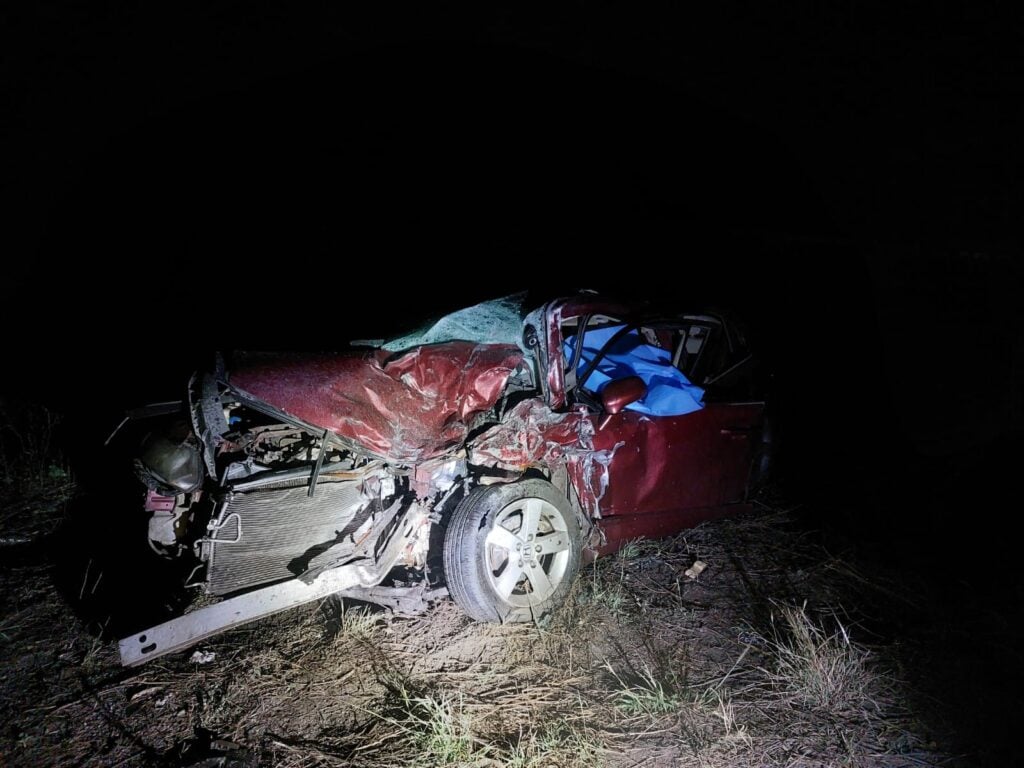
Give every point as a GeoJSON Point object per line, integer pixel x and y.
{"type": "Point", "coordinates": [268, 535]}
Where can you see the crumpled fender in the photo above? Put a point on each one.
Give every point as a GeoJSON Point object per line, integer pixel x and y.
{"type": "Point", "coordinates": [531, 435]}
{"type": "Point", "coordinates": [407, 408]}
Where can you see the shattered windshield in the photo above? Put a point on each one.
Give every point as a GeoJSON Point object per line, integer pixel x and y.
{"type": "Point", "coordinates": [497, 321]}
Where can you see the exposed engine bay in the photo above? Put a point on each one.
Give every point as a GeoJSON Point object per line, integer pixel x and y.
{"type": "Point", "coordinates": [257, 497]}
{"type": "Point", "coordinates": [280, 501]}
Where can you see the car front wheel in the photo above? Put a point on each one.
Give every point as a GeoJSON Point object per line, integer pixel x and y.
{"type": "Point", "coordinates": [512, 551]}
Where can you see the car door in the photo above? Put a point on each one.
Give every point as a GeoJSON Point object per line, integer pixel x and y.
{"type": "Point", "coordinates": [670, 467]}
{"type": "Point", "coordinates": [665, 464]}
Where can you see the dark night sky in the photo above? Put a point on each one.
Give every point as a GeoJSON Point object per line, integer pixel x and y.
{"type": "Point", "coordinates": [848, 180]}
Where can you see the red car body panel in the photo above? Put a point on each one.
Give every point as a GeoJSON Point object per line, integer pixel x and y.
{"type": "Point", "coordinates": [407, 407]}
{"type": "Point", "coordinates": [669, 463]}
{"type": "Point", "coordinates": [661, 474]}
{"type": "Point", "coordinates": [640, 477]}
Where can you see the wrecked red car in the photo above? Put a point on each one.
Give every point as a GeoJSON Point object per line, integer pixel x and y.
{"type": "Point", "coordinates": [482, 457]}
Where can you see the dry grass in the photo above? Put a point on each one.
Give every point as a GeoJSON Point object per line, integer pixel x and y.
{"type": "Point", "coordinates": [436, 728]}
{"type": "Point", "coordinates": [346, 622]}
{"type": "Point", "coordinates": [35, 482]}
{"type": "Point", "coordinates": [817, 668]}
{"type": "Point", "coordinates": [643, 693]}
{"type": "Point", "coordinates": [644, 666]}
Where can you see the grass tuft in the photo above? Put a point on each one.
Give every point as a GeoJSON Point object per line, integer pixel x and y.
{"type": "Point", "coordinates": [817, 668]}
{"type": "Point", "coordinates": [439, 728]}
{"type": "Point", "coordinates": [356, 623]}
{"type": "Point", "coordinates": [557, 743]}
{"type": "Point", "coordinates": [603, 585]}
{"type": "Point", "coordinates": [640, 692]}
{"type": "Point", "coordinates": [433, 728]}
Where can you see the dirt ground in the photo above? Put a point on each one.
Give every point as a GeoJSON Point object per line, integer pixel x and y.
{"type": "Point", "coordinates": [751, 660]}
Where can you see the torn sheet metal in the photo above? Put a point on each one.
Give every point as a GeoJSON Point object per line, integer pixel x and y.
{"type": "Point", "coordinates": [531, 435]}
{"type": "Point", "coordinates": [409, 407]}
{"type": "Point", "coordinates": [589, 471]}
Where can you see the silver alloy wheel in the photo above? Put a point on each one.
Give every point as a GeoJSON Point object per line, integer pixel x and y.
{"type": "Point", "coordinates": [527, 551]}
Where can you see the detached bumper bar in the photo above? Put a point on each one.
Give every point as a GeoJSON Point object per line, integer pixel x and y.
{"type": "Point", "coordinates": [178, 634]}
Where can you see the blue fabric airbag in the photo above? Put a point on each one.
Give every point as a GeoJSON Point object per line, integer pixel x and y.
{"type": "Point", "coordinates": [669, 392]}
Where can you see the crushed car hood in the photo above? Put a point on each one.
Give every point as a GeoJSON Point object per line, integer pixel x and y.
{"type": "Point", "coordinates": [407, 407]}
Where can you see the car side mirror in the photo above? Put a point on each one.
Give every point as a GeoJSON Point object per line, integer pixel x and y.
{"type": "Point", "coordinates": [619, 393]}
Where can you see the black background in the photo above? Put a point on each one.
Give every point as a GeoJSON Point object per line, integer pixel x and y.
{"type": "Point", "coordinates": [227, 176]}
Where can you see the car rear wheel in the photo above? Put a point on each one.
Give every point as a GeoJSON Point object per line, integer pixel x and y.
{"type": "Point", "coordinates": [512, 552]}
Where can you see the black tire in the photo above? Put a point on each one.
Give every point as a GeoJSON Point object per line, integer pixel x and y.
{"type": "Point", "coordinates": [763, 464]}
{"type": "Point", "coordinates": [512, 552]}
